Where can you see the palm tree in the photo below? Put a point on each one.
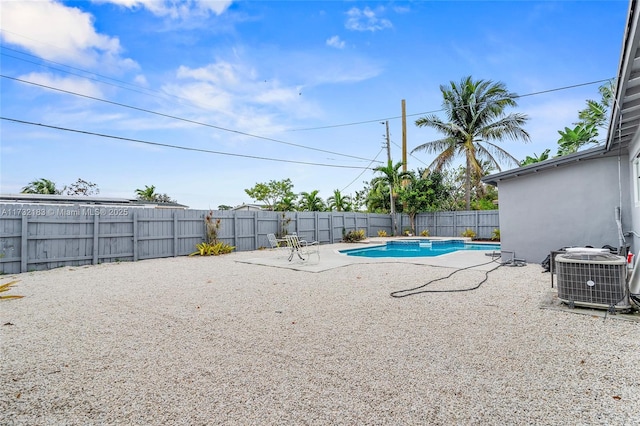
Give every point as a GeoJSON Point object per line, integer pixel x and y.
{"type": "Point", "coordinates": [391, 177]}
{"type": "Point", "coordinates": [147, 194]}
{"type": "Point", "coordinates": [475, 120]}
{"type": "Point", "coordinates": [40, 186]}
{"type": "Point", "coordinates": [310, 202]}
{"type": "Point", "coordinates": [339, 202]}
{"type": "Point", "coordinates": [287, 204]}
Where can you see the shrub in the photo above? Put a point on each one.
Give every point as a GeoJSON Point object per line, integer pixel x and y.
{"type": "Point", "coordinates": [425, 233]}
{"type": "Point", "coordinates": [495, 236]}
{"type": "Point", "coordinates": [353, 236]}
{"type": "Point", "coordinates": [468, 233]}
{"type": "Point", "coordinates": [382, 233]}
{"type": "Point", "coordinates": [407, 232]}
{"type": "Point", "coordinates": [207, 249]}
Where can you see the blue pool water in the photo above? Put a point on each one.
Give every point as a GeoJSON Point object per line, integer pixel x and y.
{"type": "Point", "coordinates": [418, 248]}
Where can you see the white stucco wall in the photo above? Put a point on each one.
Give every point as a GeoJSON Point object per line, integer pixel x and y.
{"type": "Point", "coordinates": [569, 205]}
{"type": "Point", "coordinates": [634, 229]}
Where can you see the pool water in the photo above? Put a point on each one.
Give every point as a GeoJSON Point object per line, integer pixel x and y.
{"type": "Point", "coordinates": [418, 248]}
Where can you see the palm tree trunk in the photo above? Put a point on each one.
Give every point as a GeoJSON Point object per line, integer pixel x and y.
{"type": "Point", "coordinates": [467, 184]}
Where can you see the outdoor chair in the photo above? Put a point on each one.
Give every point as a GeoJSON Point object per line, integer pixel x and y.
{"type": "Point", "coordinates": [302, 248]}
{"type": "Point", "coordinates": [278, 244]}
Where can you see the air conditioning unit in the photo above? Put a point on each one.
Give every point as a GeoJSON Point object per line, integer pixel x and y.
{"type": "Point", "coordinates": [592, 279]}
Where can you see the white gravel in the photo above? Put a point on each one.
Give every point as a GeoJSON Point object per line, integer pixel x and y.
{"type": "Point", "coordinates": [194, 341]}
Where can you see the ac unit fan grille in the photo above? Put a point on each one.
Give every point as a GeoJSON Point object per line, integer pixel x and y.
{"type": "Point", "coordinates": [591, 283]}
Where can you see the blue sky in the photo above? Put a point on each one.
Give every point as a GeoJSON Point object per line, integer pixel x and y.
{"type": "Point", "coordinates": [268, 80]}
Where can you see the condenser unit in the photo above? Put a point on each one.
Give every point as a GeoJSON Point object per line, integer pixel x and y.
{"type": "Point", "coordinates": [592, 279]}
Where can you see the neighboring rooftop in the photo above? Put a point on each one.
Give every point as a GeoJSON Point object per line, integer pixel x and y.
{"type": "Point", "coordinates": [80, 199]}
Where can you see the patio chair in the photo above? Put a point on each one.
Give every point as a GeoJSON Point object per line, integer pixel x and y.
{"type": "Point", "coordinates": [278, 244]}
{"type": "Point", "coordinates": [302, 248]}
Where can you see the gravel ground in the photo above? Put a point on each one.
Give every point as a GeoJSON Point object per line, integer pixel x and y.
{"type": "Point", "coordinates": [199, 341]}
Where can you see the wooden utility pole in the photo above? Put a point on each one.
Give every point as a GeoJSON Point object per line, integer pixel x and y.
{"type": "Point", "coordinates": [404, 137]}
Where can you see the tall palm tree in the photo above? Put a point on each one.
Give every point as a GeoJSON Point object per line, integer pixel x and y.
{"type": "Point", "coordinates": [475, 120]}
{"type": "Point", "coordinates": [310, 202]}
{"type": "Point", "coordinates": [41, 186]}
{"type": "Point", "coordinates": [339, 202]}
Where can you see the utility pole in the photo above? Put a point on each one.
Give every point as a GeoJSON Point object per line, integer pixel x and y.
{"type": "Point", "coordinates": [404, 138]}
{"type": "Point", "coordinates": [392, 207]}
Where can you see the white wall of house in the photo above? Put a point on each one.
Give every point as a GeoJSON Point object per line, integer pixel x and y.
{"type": "Point", "coordinates": [634, 193]}
{"type": "Point", "coordinates": [568, 205]}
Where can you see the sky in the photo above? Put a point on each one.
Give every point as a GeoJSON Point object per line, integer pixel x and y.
{"type": "Point", "coordinates": [204, 99]}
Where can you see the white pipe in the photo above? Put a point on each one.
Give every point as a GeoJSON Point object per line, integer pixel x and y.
{"type": "Point", "coordinates": [621, 240]}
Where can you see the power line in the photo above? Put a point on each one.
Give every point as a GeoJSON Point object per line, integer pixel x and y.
{"type": "Point", "coordinates": [15, 120]}
{"type": "Point", "coordinates": [355, 123]}
{"type": "Point", "coordinates": [368, 168]}
{"type": "Point", "coordinates": [82, 76]}
{"type": "Point", "coordinates": [180, 118]}
{"type": "Point", "coordinates": [144, 91]}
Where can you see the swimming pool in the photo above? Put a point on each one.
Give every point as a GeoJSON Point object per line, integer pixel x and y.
{"type": "Point", "coordinates": [418, 248]}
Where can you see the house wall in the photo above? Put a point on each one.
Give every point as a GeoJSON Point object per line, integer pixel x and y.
{"type": "Point", "coordinates": [570, 205]}
{"type": "Point", "coordinates": [634, 230]}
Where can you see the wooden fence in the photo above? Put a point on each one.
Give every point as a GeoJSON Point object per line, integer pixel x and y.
{"type": "Point", "coordinates": [39, 236]}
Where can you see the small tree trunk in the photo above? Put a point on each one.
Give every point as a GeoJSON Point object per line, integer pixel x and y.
{"type": "Point", "coordinates": [467, 184]}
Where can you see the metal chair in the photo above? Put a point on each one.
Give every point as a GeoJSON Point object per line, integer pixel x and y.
{"type": "Point", "coordinates": [302, 248]}
{"type": "Point", "coordinates": [278, 244]}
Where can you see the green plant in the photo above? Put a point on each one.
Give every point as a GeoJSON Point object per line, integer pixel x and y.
{"type": "Point", "coordinates": [284, 224]}
{"type": "Point", "coordinates": [212, 227]}
{"type": "Point", "coordinates": [425, 233]}
{"type": "Point", "coordinates": [6, 287]}
{"type": "Point", "coordinates": [382, 233]}
{"type": "Point", "coordinates": [407, 232]}
{"type": "Point", "coordinates": [495, 235]}
{"type": "Point", "coordinates": [207, 249]}
{"type": "Point", "coordinates": [468, 233]}
{"type": "Point", "coordinates": [353, 236]}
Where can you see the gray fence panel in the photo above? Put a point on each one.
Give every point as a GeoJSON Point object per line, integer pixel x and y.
{"type": "Point", "coordinates": [38, 236]}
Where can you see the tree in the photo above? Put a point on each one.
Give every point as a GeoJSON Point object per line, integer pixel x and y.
{"type": "Point", "coordinates": [536, 158]}
{"type": "Point", "coordinates": [339, 202]}
{"type": "Point", "coordinates": [287, 204]}
{"type": "Point", "coordinates": [41, 186]}
{"type": "Point", "coordinates": [310, 202]}
{"type": "Point", "coordinates": [224, 207]}
{"type": "Point", "coordinates": [81, 187]}
{"type": "Point", "coordinates": [391, 177]}
{"type": "Point", "coordinates": [475, 120]}
{"type": "Point", "coordinates": [590, 120]}
{"type": "Point", "coordinates": [271, 193]}
{"type": "Point", "coordinates": [424, 192]}
{"type": "Point", "coordinates": [147, 194]}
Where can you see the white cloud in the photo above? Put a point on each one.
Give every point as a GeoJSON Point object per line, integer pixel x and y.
{"type": "Point", "coordinates": [175, 9]}
{"type": "Point", "coordinates": [366, 20]}
{"type": "Point", "coordinates": [335, 42]}
{"type": "Point", "coordinates": [71, 84]}
{"type": "Point", "coordinates": [54, 31]}
{"type": "Point", "coordinates": [238, 97]}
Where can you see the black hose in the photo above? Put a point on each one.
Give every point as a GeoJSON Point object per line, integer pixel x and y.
{"type": "Point", "coordinates": [412, 291]}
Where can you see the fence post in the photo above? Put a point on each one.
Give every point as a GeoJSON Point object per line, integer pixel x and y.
{"type": "Point", "coordinates": [315, 226]}
{"type": "Point", "coordinates": [23, 244]}
{"type": "Point", "coordinates": [175, 234]}
{"type": "Point", "coordinates": [255, 229]}
{"type": "Point", "coordinates": [96, 228]}
{"type": "Point", "coordinates": [235, 228]}
{"type": "Point", "coordinates": [134, 219]}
